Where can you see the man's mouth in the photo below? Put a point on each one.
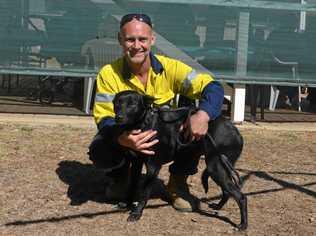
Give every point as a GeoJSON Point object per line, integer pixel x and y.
{"type": "Point", "coordinates": [135, 54]}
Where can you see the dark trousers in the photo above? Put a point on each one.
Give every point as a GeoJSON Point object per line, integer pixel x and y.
{"type": "Point", "coordinates": [116, 160]}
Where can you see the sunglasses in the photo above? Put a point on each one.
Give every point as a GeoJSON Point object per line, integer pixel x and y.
{"type": "Point", "coordinates": [140, 17]}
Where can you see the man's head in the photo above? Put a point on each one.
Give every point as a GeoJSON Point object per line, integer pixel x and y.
{"type": "Point", "coordinates": [136, 37]}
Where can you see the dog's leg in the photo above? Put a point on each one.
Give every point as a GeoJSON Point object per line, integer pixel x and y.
{"type": "Point", "coordinates": [223, 179]}
{"type": "Point", "coordinates": [225, 197]}
{"type": "Point", "coordinates": [151, 175]}
{"type": "Point", "coordinates": [219, 176]}
{"type": "Point", "coordinates": [134, 188]}
{"type": "Point", "coordinates": [221, 203]}
{"type": "Point", "coordinates": [204, 179]}
{"type": "Point", "coordinates": [240, 198]}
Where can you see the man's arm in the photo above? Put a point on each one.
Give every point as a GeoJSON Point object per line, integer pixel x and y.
{"type": "Point", "coordinates": [212, 99]}
{"type": "Point", "coordinates": [209, 109]}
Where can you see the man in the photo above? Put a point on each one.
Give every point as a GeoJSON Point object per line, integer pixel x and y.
{"type": "Point", "coordinates": [162, 78]}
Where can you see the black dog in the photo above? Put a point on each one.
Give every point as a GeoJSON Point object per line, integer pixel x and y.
{"type": "Point", "coordinates": [221, 146]}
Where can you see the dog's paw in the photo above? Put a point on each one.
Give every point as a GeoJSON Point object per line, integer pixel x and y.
{"type": "Point", "coordinates": [133, 217]}
{"type": "Point", "coordinates": [242, 227]}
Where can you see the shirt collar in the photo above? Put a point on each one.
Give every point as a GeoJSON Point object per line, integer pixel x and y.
{"type": "Point", "coordinates": [155, 64]}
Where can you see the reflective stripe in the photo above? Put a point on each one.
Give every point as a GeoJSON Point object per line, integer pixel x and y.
{"type": "Point", "coordinates": [104, 97]}
{"type": "Point", "coordinates": [186, 84]}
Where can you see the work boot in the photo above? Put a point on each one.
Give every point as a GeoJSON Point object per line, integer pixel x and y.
{"type": "Point", "coordinates": [179, 192]}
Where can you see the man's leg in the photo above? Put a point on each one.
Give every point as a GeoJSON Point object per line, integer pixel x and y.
{"type": "Point", "coordinates": [115, 163]}
{"type": "Point", "coordinates": [185, 164]}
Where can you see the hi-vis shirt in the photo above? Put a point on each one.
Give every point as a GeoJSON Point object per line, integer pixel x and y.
{"type": "Point", "coordinates": [166, 78]}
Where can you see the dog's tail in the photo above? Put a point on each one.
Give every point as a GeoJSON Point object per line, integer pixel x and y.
{"type": "Point", "coordinates": [204, 179]}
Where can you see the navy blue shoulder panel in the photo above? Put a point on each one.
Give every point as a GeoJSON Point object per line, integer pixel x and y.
{"type": "Point", "coordinates": [212, 99]}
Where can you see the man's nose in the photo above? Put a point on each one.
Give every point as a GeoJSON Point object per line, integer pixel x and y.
{"type": "Point", "coordinates": [136, 44]}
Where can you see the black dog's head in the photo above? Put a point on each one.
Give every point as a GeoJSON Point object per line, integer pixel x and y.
{"type": "Point", "coordinates": [130, 107]}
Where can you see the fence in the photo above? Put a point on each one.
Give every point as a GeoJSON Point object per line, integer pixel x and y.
{"type": "Point", "coordinates": [240, 42]}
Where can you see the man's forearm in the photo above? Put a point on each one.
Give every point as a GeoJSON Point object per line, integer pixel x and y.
{"type": "Point", "coordinates": [212, 100]}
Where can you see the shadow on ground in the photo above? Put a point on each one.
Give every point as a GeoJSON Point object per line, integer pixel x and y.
{"type": "Point", "coordinates": [283, 183]}
{"type": "Point", "coordinates": [86, 183]}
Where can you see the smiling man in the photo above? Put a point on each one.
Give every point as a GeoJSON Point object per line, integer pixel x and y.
{"type": "Point", "coordinates": [162, 78]}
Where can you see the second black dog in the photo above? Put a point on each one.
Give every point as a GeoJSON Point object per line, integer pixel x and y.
{"type": "Point", "coordinates": [222, 147]}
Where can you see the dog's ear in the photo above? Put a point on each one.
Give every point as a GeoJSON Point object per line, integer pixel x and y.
{"type": "Point", "coordinates": [148, 101]}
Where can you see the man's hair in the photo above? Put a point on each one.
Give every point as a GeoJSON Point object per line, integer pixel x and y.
{"type": "Point", "coordinates": [140, 17]}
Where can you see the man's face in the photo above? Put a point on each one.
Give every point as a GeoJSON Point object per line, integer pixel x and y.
{"type": "Point", "coordinates": [136, 39]}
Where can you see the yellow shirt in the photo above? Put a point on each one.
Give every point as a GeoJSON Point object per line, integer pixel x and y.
{"type": "Point", "coordinates": [166, 78]}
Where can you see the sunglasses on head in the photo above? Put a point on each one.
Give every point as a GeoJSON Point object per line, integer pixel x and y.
{"type": "Point", "coordinates": [140, 17]}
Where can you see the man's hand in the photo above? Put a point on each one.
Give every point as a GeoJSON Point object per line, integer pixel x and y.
{"type": "Point", "coordinates": [138, 140]}
{"type": "Point", "coordinates": [199, 126]}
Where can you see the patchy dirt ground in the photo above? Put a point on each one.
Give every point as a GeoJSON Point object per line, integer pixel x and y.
{"type": "Point", "coordinates": [49, 187]}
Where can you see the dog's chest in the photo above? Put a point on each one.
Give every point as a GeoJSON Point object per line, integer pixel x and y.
{"type": "Point", "coordinates": [167, 133]}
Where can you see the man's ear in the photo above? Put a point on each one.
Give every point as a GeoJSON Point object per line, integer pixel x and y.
{"type": "Point", "coordinates": [119, 38]}
{"type": "Point", "coordinates": [153, 39]}
{"type": "Point", "coordinates": [148, 100]}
